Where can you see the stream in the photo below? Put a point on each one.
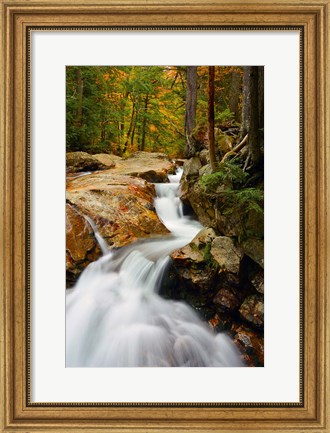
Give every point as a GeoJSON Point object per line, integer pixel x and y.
{"type": "Point", "coordinates": [115, 317]}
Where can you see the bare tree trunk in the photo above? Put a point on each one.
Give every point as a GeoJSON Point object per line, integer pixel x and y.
{"type": "Point", "coordinates": [191, 104]}
{"type": "Point", "coordinates": [211, 117]}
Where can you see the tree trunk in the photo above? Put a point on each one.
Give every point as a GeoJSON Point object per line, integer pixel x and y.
{"type": "Point", "coordinates": [130, 129]}
{"type": "Point", "coordinates": [261, 105]}
{"type": "Point", "coordinates": [80, 92]}
{"type": "Point", "coordinates": [133, 134]}
{"type": "Point", "coordinates": [190, 115]}
{"type": "Point", "coordinates": [211, 117]}
{"type": "Point", "coordinates": [253, 114]}
{"type": "Point", "coordinates": [234, 95]}
{"type": "Point", "coordinates": [144, 123]}
{"type": "Point", "coordinates": [246, 102]}
{"type": "Point", "coordinates": [254, 147]}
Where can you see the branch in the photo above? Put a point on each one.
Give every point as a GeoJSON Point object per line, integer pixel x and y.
{"type": "Point", "coordinates": [236, 149]}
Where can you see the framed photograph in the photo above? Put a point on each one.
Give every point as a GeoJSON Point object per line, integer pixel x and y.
{"type": "Point", "coordinates": [164, 207]}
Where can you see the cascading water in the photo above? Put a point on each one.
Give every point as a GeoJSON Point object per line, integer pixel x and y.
{"type": "Point", "coordinates": [115, 318]}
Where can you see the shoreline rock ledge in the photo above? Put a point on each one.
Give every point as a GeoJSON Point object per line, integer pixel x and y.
{"type": "Point", "coordinates": [119, 203]}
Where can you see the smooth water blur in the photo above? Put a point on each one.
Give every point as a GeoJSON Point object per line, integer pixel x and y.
{"type": "Point", "coordinates": [115, 318]}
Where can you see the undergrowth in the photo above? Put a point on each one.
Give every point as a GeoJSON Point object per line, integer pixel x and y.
{"type": "Point", "coordinates": [235, 198]}
{"type": "Point", "coordinates": [227, 172]}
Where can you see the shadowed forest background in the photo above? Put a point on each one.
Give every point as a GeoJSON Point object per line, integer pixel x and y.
{"type": "Point", "coordinates": [137, 136]}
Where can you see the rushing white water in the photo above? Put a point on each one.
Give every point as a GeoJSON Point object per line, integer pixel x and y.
{"type": "Point", "coordinates": [115, 318]}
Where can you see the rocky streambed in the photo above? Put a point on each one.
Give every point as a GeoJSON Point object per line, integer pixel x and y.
{"type": "Point", "coordinates": [219, 277]}
{"type": "Point", "coordinates": [117, 198]}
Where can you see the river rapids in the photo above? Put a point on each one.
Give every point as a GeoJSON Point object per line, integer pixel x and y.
{"type": "Point", "coordinates": [115, 317]}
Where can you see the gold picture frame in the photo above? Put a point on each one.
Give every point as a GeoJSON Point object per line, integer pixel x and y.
{"type": "Point", "coordinates": [312, 414]}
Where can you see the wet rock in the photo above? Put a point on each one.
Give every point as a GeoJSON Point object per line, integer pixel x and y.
{"type": "Point", "coordinates": [193, 274]}
{"type": "Point", "coordinates": [81, 245]}
{"type": "Point", "coordinates": [252, 309]}
{"type": "Point", "coordinates": [82, 161]}
{"type": "Point", "coordinates": [120, 206]}
{"type": "Point", "coordinates": [194, 252]}
{"type": "Point", "coordinates": [250, 343]}
{"type": "Point", "coordinates": [204, 237]}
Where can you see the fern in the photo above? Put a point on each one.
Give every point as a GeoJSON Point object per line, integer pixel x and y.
{"type": "Point", "coordinates": [244, 200]}
{"type": "Point", "coordinates": [210, 263]}
{"type": "Point", "coordinates": [227, 172]}
{"type": "Point", "coordinates": [224, 116]}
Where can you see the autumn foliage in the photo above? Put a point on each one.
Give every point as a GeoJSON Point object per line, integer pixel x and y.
{"type": "Point", "coordinates": [122, 109]}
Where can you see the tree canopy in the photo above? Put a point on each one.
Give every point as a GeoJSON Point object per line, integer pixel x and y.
{"type": "Point", "coordinates": [122, 109]}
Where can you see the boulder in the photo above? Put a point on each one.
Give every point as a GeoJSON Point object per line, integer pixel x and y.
{"type": "Point", "coordinates": [81, 161]}
{"type": "Point", "coordinates": [191, 167]}
{"type": "Point", "coordinates": [190, 174]}
{"type": "Point", "coordinates": [215, 207]}
{"type": "Point", "coordinates": [226, 299]}
{"type": "Point", "coordinates": [209, 274]}
{"type": "Point", "coordinates": [250, 343]}
{"type": "Point", "coordinates": [204, 156]}
{"type": "Point", "coordinates": [254, 248]}
{"type": "Point", "coordinates": [192, 275]}
{"type": "Point", "coordinates": [252, 309]}
{"type": "Point", "coordinates": [107, 159]}
{"type": "Point", "coordinates": [212, 210]}
{"type": "Point", "coordinates": [207, 266]}
{"type": "Point", "coordinates": [120, 206]}
{"type": "Point", "coordinates": [153, 167]}
{"type": "Point", "coordinates": [81, 245]}
{"type": "Point", "coordinates": [226, 254]}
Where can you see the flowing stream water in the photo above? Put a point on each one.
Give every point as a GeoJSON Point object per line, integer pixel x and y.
{"type": "Point", "coordinates": [115, 317]}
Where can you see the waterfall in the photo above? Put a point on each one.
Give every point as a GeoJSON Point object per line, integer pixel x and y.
{"type": "Point", "coordinates": [115, 318]}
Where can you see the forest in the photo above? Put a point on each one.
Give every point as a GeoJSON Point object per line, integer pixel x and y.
{"type": "Point", "coordinates": [165, 215]}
